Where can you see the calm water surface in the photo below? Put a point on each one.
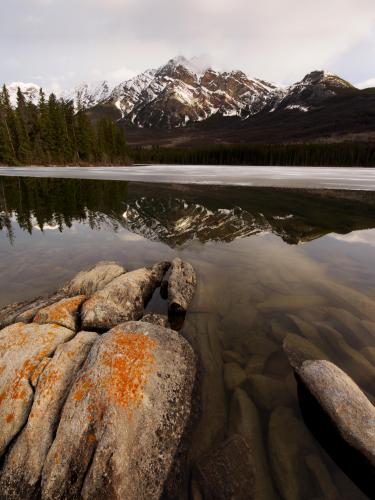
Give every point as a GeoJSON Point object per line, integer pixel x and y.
{"type": "Point", "coordinates": [270, 261]}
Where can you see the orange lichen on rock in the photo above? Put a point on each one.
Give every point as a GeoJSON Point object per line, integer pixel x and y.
{"type": "Point", "coordinates": [128, 364]}
{"type": "Point", "coordinates": [84, 387]}
{"type": "Point", "coordinates": [9, 418]}
{"type": "Point", "coordinates": [61, 313]}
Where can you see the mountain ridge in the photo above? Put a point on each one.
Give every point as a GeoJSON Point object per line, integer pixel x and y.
{"type": "Point", "coordinates": [180, 92]}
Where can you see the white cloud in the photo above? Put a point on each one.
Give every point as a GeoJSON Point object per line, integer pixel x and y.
{"type": "Point", "coordinates": [273, 39]}
{"type": "Point", "coordinates": [367, 84]}
{"type": "Point", "coordinates": [365, 236]}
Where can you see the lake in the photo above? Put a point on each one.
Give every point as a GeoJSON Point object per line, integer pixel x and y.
{"type": "Point", "coordinates": [270, 261]}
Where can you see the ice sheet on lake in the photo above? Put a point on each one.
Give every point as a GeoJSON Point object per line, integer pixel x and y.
{"type": "Point", "coordinates": [296, 177]}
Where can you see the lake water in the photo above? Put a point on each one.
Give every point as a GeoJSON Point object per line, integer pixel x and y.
{"type": "Point", "coordinates": [270, 261]}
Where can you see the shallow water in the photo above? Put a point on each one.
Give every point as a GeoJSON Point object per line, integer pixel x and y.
{"type": "Point", "coordinates": [269, 262]}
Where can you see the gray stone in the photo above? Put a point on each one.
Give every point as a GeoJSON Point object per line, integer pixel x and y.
{"type": "Point", "coordinates": [89, 281]}
{"type": "Point", "coordinates": [181, 286]}
{"type": "Point", "coordinates": [64, 313]}
{"type": "Point", "coordinates": [124, 417]}
{"type": "Point", "coordinates": [344, 402]}
{"type": "Point", "coordinates": [123, 299]}
{"type": "Point", "coordinates": [22, 348]}
{"type": "Point", "coordinates": [23, 464]}
{"type": "Point", "coordinates": [156, 319]}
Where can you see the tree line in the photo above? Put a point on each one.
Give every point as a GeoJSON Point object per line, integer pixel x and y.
{"type": "Point", "coordinates": [52, 131]}
{"type": "Point", "coordinates": [320, 154]}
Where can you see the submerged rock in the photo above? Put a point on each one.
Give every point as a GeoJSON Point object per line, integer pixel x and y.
{"type": "Point", "coordinates": [244, 420]}
{"type": "Point", "coordinates": [124, 416]}
{"type": "Point", "coordinates": [22, 348]}
{"type": "Point", "coordinates": [233, 356]}
{"type": "Point", "coordinates": [23, 464]}
{"type": "Point", "coordinates": [181, 286]}
{"type": "Point", "coordinates": [123, 299]}
{"type": "Point", "coordinates": [299, 349]}
{"type": "Point", "coordinates": [288, 440]}
{"type": "Point", "coordinates": [344, 402]}
{"type": "Point", "coordinates": [255, 364]}
{"type": "Point", "coordinates": [89, 281]}
{"type": "Point", "coordinates": [227, 472]}
{"type": "Point", "coordinates": [268, 392]}
{"type": "Point", "coordinates": [322, 477]}
{"type": "Point", "coordinates": [63, 313]}
{"type": "Point", "coordinates": [234, 376]}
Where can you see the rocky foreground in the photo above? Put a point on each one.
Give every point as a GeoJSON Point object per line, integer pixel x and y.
{"type": "Point", "coordinates": [94, 394]}
{"type": "Point", "coordinates": [97, 399]}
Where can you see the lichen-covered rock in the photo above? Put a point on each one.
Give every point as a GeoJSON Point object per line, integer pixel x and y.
{"type": "Point", "coordinates": [23, 464]}
{"type": "Point", "coordinates": [124, 416]}
{"type": "Point", "coordinates": [123, 299]}
{"type": "Point", "coordinates": [227, 472]}
{"type": "Point", "coordinates": [22, 349]}
{"type": "Point", "coordinates": [156, 319]}
{"type": "Point", "coordinates": [344, 402]}
{"type": "Point", "coordinates": [299, 349]}
{"type": "Point", "coordinates": [24, 312]}
{"type": "Point", "coordinates": [244, 420]}
{"type": "Point", "coordinates": [89, 281]}
{"type": "Point", "coordinates": [63, 313]}
{"type": "Point", "coordinates": [181, 286]}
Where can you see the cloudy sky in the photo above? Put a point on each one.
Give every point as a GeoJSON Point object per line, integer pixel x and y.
{"type": "Point", "coordinates": [58, 43]}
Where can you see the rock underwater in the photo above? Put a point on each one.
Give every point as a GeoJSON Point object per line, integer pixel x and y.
{"type": "Point", "coordinates": [86, 414]}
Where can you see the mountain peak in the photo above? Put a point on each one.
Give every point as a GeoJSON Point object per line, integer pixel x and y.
{"type": "Point", "coordinates": [197, 65]}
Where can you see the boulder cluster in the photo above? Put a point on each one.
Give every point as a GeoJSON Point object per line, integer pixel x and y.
{"type": "Point", "coordinates": [95, 395]}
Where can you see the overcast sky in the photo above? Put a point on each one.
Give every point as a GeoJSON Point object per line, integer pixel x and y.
{"type": "Point", "coordinates": [58, 43]}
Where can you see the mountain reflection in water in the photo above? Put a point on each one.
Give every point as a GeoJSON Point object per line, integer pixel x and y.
{"type": "Point", "coordinates": [177, 214]}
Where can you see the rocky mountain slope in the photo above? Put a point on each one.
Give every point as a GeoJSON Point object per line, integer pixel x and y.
{"type": "Point", "coordinates": [182, 102]}
{"type": "Point", "coordinates": [181, 92]}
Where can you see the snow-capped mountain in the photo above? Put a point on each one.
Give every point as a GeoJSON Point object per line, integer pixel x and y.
{"type": "Point", "coordinates": [311, 91]}
{"type": "Point", "coordinates": [186, 91]}
{"type": "Point", "coordinates": [29, 90]}
{"type": "Point", "coordinates": [87, 96]}
{"type": "Point", "coordinates": [176, 94]}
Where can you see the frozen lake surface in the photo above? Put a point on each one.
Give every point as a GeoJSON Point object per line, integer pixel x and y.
{"type": "Point", "coordinates": [298, 177]}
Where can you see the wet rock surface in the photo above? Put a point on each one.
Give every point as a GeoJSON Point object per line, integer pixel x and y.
{"type": "Point", "coordinates": [344, 402]}
{"type": "Point", "coordinates": [181, 286]}
{"type": "Point", "coordinates": [92, 416]}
